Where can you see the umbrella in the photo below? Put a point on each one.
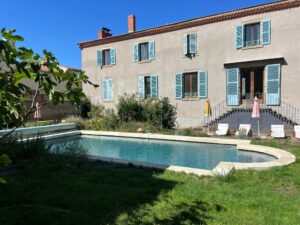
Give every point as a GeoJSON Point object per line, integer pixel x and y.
{"type": "Point", "coordinates": [207, 110]}
{"type": "Point", "coordinates": [37, 112]}
{"type": "Point", "coordinates": [255, 113]}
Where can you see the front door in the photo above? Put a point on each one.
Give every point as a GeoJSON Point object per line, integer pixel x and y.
{"type": "Point", "coordinates": [252, 84]}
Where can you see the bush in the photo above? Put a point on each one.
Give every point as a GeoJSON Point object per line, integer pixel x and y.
{"type": "Point", "coordinates": [134, 126]}
{"type": "Point", "coordinates": [85, 108]}
{"type": "Point", "coordinates": [110, 122]}
{"type": "Point", "coordinates": [29, 149]}
{"type": "Point", "coordinates": [160, 113]}
{"type": "Point", "coordinates": [130, 108]}
{"type": "Point", "coordinates": [38, 123]}
{"type": "Point", "coordinates": [97, 111]}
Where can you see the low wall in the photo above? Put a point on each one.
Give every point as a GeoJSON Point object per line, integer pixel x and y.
{"type": "Point", "coordinates": [28, 131]}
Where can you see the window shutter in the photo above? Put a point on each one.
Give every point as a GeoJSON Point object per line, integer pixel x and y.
{"type": "Point", "coordinates": [99, 58]}
{"type": "Point", "coordinates": [185, 44]}
{"type": "Point", "coordinates": [273, 84]}
{"type": "Point", "coordinates": [178, 86]}
{"type": "Point", "coordinates": [109, 90]}
{"type": "Point", "coordinates": [265, 32]}
{"type": "Point", "coordinates": [154, 87]}
{"type": "Point", "coordinates": [202, 84]}
{"type": "Point", "coordinates": [151, 50]}
{"type": "Point", "coordinates": [193, 43]}
{"type": "Point", "coordinates": [233, 87]}
{"type": "Point", "coordinates": [239, 39]}
{"type": "Point", "coordinates": [112, 56]}
{"type": "Point", "coordinates": [104, 88]}
{"type": "Point", "coordinates": [136, 53]}
{"type": "Point", "coordinates": [141, 87]}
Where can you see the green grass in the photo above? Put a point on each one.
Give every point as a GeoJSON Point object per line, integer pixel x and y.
{"type": "Point", "coordinates": [58, 191]}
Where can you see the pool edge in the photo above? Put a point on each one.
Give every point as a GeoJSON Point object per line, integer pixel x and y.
{"type": "Point", "coordinates": [283, 157]}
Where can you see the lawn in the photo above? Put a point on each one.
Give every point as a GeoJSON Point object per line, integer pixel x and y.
{"type": "Point", "coordinates": [56, 190]}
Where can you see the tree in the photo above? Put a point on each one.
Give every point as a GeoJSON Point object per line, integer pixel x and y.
{"type": "Point", "coordinates": [18, 64]}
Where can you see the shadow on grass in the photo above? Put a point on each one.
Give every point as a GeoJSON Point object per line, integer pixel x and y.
{"type": "Point", "coordinates": [56, 191]}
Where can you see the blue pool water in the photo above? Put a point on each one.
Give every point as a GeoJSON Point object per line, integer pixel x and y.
{"type": "Point", "coordinates": [187, 154]}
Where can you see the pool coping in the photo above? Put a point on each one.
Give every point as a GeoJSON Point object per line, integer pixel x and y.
{"type": "Point", "coordinates": [222, 169]}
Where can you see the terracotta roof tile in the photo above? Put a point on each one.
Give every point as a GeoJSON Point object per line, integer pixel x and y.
{"type": "Point", "coordinates": [270, 7]}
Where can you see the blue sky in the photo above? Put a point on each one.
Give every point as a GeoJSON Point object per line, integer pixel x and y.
{"type": "Point", "coordinates": [58, 25]}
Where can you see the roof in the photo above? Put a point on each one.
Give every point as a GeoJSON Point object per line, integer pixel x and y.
{"type": "Point", "coordinates": [45, 69]}
{"type": "Point", "coordinates": [254, 10]}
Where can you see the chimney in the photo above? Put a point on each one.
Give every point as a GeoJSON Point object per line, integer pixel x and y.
{"type": "Point", "coordinates": [131, 23]}
{"type": "Point", "coordinates": [104, 32]}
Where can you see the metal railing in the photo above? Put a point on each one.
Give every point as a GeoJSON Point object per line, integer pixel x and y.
{"type": "Point", "coordinates": [252, 43]}
{"type": "Point", "coordinates": [284, 110]}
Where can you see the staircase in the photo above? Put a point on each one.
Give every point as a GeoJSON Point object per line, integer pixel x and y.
{"type": "Point", "coordinates": [269, 115]}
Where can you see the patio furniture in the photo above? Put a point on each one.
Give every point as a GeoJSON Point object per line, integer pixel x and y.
{"type": "Point", "coordinates": [222, 129]}
{"type": "Point", "coordinates": [297, 131]}
{"type": "Point", "coordinates": [245, 127]}
{"type": "Point", "coordinates": [277, 131]}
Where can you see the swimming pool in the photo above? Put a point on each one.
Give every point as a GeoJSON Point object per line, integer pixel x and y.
{"type": "Point", "coordinates": [162, 152]}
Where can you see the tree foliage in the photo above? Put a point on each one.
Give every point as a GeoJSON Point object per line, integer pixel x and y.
{"type": "Point", "coordinates": [19, 64]}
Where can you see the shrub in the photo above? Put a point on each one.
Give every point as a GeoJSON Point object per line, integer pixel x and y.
{"type": "Point", "coordinates": [38, 123]}
{"type": "Point", "coordinates": [110, 122]}
{"type": "Point", "coordinates": [29, 149]}
{"type": "Point", "coordinates": [130, 108]}
{"type": "Point", "coordinates": [85, 108]}
{"type": "Point", "coordinates": [160, 113]}
{"type": "Point", "coordinates": [134, 126]}
{"type": "Point", "coordinates": [97, 111]}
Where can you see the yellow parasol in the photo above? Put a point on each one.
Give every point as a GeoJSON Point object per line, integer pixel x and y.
{"type": "Point", "coordinates": [207, 108]}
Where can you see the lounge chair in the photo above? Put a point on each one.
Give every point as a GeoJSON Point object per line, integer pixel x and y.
{"type": "Point", "coordinates": [222, 129]}
{"type": "Point", "coordinates": [245, 127]}
{"type": "Point", "coordinates": [277, 131]}
{"type": "Point", "coordinates": [297, 131]}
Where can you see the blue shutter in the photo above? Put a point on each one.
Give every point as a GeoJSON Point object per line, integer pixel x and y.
{"type": "Point", "coordinates": [104, 89]}
{"type": "Point", "coordinates": [202, 84]}
{"type": "Point", "coordinates": [151, 50]}
{"type": "Point", "coordinates": [239, 36]}
{"type": "Point", "coordinates": [233, 97]}
{"type": "Point", "coordinates": [99, 58]}
{"type": "Point", "coordinates": [141, 87]}
{"type": "Point", "coordinates": [112, 56]}
{"type": "Point", "coordinates": [109, 90]}
{"type": "Point", "coordinates": [178, 86]}
{"type": "Point", "coordinates": [193, 43]}
{"type": "Point", "coordinates": [273, 84]}
{"type": "Point", "coordinates": [136, 53]}
{"type": "Point", "coordinates": [185, 44]}
{"type": "Point", "coordinates": [154, 87]}
{"type": "Point", "coordinates": [265, 32]}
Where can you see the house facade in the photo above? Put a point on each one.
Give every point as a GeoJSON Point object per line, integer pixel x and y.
{"type": "Point", "coordinates": [227, 58]}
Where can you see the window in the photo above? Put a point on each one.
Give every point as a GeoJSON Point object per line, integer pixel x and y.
{"type": "Point", "coordinates": [247, 35]}
{"type": "Point", "coordinates": [252, 34]}
{"type": "Point", "coordinates": [190, 44]}
{"type": "Point", "coordinates": [148, 87]}
{"type": "Point", "coordinates": [190, 84]}
{"type": "Point", "coordinates": [106, 57]}
{"type": "Point", "coordinates": [144, 51]}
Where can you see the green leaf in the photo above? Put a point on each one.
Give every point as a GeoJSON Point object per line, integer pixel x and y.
{"type": "Point", "coordinates": [2, 181]}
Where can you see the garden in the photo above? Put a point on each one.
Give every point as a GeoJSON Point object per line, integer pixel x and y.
{"type": "Point", "coordinates": [39, 186]}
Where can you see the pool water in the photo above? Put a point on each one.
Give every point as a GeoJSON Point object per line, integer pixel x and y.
{"type": "Point", "coordinates": [186, 154]}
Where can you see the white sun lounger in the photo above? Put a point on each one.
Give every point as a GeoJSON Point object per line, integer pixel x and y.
{"type": "Point", "coordinates": [297, 131]}
{"type": "Point", "coordinates": [277, 131]}
{"type": "Point", "coordinates": [222, 129]}
{"type": "Point", "coordinates": [246, 127]}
